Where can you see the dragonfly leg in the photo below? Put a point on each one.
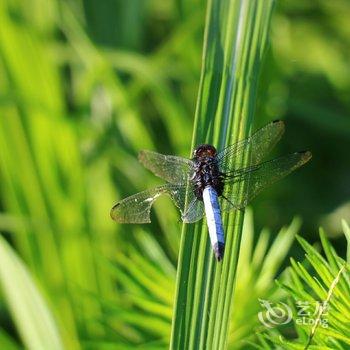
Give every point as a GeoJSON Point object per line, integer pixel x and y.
{"type": "Point", "coordinates": [235, 206]}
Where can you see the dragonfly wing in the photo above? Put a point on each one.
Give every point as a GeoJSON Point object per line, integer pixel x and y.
{"type": "Point", "coordinates": [227, 205]}
{"type": "Point", "coordinates": [194, 212]}
{"type": "Point", "coordinates": [176, 170]}
{"type": "Point", "coordinates": [256, 146]}
{"type": "Point", "coordinates": [245, 184]}
{"type": "Point", "coordinates": [136, 209]}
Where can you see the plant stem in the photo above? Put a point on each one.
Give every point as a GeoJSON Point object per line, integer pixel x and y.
{"type": "Point", "coordinates": [234, 43]}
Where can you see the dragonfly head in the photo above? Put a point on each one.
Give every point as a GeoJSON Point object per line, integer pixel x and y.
{"type": "Point", "coordinates": [204, 151]}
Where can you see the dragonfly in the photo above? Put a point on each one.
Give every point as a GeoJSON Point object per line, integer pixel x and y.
{"type": "Point", "coordinates": [212, 182]}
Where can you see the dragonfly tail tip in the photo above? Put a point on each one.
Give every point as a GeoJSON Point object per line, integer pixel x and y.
{"type": "Point", "coordinates": [219, 249]}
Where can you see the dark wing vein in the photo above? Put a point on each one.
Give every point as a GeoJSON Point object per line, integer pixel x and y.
{"type": "Point", "coordinates": [175, 170]}
{"type": "Point", "coordinates": [245, 184]}
{"type": "Point", "coordinates": [256, 147]}
{"type": "Point", "coordinates": [136, 209]}
{"type": "Point", "coordinates": [194, 210]}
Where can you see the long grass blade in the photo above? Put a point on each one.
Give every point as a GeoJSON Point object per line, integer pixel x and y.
{"type": "Point", "coordinates": [31, 314]}
{"type": "Point", "coordinates": [234, 42]}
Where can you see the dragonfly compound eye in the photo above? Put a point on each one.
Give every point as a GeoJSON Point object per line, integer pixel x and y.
{"type": "Point", "coordinates": [205, 151]}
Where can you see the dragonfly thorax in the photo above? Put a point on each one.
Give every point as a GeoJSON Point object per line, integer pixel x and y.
{"type": "Point", "coordinates": [206, 173]}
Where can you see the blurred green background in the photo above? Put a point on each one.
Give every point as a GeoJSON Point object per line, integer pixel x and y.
{"type": "Point", "coordinates": [84, 85]}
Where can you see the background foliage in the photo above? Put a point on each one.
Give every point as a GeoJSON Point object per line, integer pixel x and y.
{"type": "Point", "coordinates": [84, 85]}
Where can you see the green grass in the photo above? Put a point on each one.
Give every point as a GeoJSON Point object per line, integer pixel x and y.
{"type": "Point", "coordinates": [31, 313]}
{"type": "Point", "coordinates": [235, 38]}
{"type": "Point", "coordinates": [320, 278]}
{"type": "Point", "coordinates": [83, 87]}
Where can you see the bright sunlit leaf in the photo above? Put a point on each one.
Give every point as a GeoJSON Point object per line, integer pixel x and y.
{"type": "Point", "coordinates": [28, 307]}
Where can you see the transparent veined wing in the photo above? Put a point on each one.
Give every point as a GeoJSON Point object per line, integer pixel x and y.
{"type": "Point", "coordinates": [227, 204]}
{"type": "Point", "coordinates": [244, 184]}
{"type": "Point", "coordinates": [194, 211]}
{"type": "Point", "coordinates": [256, 147]}
{"type": "Point", "coordinates": [136, 209]}
{"type": "Point", "coordinates": [175, 170]}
